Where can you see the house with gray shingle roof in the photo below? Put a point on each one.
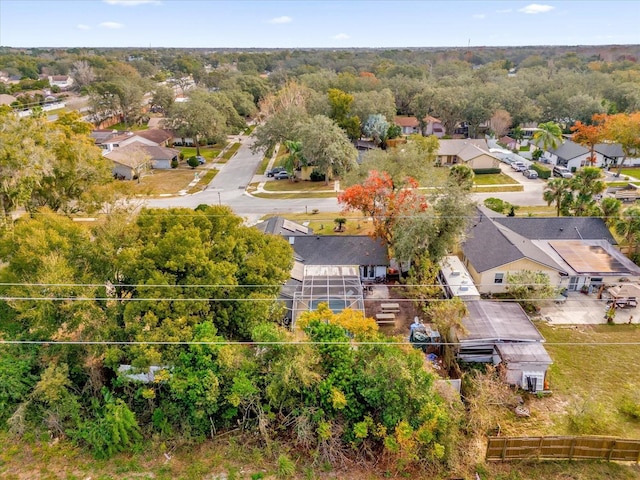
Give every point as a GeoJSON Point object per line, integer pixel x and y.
{"type": "Point", "coordinates": [573, 155]}
{"type": "Point", "coordinates": [572, 251]}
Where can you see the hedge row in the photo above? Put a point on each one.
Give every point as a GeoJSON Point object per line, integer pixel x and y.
{"type": "Point", "coordinates": [543, 172]}
{"type": "Point", "coordinates": [481, 171]}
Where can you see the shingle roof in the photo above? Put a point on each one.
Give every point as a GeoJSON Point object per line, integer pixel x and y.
{"type": "Point", "coordinates": [495, 240]}
{"type": "Point", "coordinates": [6, 99]}
{"type": "Point", "coordinates": [340, 250]}
{"type": "Point", "coordinates": [123, 155]}
{"type": "Point", "coordinates": [569, 150]}
{"type": "Point", "coordinates": [457, 145]}
{"type": "Point", "coordinates": [610, 150]}
{"type": "Point", "coordinates": [156, 135]}
{"type": "Point", "coordinates": [558, 228]}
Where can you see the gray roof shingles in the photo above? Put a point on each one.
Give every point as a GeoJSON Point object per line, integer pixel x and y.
{"type": "Point", "coordinates": [340, 250]}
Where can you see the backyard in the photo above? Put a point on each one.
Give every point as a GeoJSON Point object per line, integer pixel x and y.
{"type": "Point", "coordinates": [591, 383]}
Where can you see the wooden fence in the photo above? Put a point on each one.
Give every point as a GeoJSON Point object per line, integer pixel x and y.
{"type": "Point", "coordinates": [563, 448]}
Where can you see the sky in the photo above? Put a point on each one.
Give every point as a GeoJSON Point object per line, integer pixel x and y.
{"type": "Point", "coordinates": [315, 24]}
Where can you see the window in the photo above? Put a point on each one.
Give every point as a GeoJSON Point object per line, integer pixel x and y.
{"type": "Point", "coordinates": [499, 278]}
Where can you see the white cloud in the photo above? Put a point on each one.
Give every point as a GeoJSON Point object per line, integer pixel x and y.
{"type": "Point", "coordinates": [112, 25]}
{"type": "Point", "coordinates": [479, 16]}
{"type": "Point", "coordinates": [283, 19]}
{"type": "Point", "coordinates": [341, 36]}
{"type": "Point", "coordinates": [82, 26]}
{"type": "Point", "coordinates": [132, 3]}
{"type": "Point", "coordinates": [536, 8]}
{"type": "Point", "coordinates": [504, 10]}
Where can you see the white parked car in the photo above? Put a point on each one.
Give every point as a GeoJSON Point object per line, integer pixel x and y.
{"type": "Point", "coordinates": [519, 166]}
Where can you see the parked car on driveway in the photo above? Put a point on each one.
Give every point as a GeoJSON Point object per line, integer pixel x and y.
{"type": "Point", "coordinates": [519, 166]}
{"type": "Point", "coordinates": [272, 172]}
{"type": "Point", "coordinates": [562, 172]}
{"type": "Point", "coordinates": [201, 159]}
{"type": "Point", "coordinates": [281, 175]}
{"type": "Point", "coordinates": [530, 174]}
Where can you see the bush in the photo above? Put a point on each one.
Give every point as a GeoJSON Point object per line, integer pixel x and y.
{"type": "Point", "coordinates": [497, 205]}
{"type": "Point", "coordinates": [630, 403]}
{"type": "Point", "coordinates": [481, 171]}
{"type": "Point", "coordinates": [543, 172]}
{"type": "Point", "coordinates": [316, 176]}
{"type": "Point", "coordinates": [588, 418]}
{"type": "Point", "coordinates": [175, 163]}
{"type": "Point", "coordinates": [193, 162]}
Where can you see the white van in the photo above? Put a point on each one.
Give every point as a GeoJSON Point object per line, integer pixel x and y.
{"type": "Point", "coordinates": [562, 172]}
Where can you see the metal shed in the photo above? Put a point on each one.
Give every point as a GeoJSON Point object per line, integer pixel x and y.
{"type": "Point", "coordinates": [501, 332]}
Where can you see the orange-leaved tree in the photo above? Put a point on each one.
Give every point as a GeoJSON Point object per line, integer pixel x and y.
{"type": "Point", "coordinates": [590, 135]}
{"type": "Point", "coordinates": [624, 128]}
{"type": "Point", "coordinates": [384, 201]}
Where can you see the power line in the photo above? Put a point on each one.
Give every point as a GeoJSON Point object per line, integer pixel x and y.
{"type": "Point", "coordinates": [291, 343]}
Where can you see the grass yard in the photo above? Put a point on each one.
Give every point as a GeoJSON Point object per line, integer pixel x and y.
{"type": "Point", "coordinates": [491, 188]}
{"type": "Point", "coordinates": [306, 186]}
{"type": "Point", "coordinates": [210, 153]}
{"type": "Point", "coordinates": [230, 152]}
{"type": "Point", "coordinates": [129, 128]}
{"type": "Point", "coordinates": [285, 195]}
{"type": "Point", "coordinates": [494, 179]}
{"type": "Point", "coordinates": [204, 181]}
{"type": "Point", "coordinates": [589, 378]}
{"type": "Point", "coordinates": [164, 181]}
{"type": "Point", "coordinates": [631, 172]}
{"type": "Point", "coordinates": [536, 211]}
{"type": "Point", "coordinates": [323, 223]}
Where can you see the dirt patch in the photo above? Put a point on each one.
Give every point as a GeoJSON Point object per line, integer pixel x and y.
{"type": "Point", "coordinates": [377, 294]}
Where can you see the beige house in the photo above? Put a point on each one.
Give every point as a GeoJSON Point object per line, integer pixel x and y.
{"type": "Point", "coordinates": [410, 125]}
{"type": "Point", "coordinates": [470, 151]}
{"type": "Point", "coordinates": [575, 252]}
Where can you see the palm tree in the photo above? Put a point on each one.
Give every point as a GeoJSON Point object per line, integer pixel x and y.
{"type": "Point", "coordinates": [557, 191]}
{"type": "Point", "coordinates": [548, 136]}
{"type": "Point", "coordinates": [610, 210]}
{"type": "Point", "coordinates": [295, 160]}
{"type": "Point", "coordinates": [628, 227]}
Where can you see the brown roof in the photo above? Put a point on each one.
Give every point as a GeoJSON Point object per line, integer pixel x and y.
{"type": "Point", "coordinates": [156, 135]}
{"type": "Point", "coordinates": [406, 121]}
{"type": "Point", "coordinates": [125, 155]}
{"type": "Point", "coordinates": [413, 121]}
{"type": "Point", "coordinates": [6, 99]}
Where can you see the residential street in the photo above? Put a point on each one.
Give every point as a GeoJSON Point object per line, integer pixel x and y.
{"type": "Point", "coordinates": [228, 188]}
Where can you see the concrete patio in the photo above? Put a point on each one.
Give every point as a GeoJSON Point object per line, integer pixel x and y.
{"type": "Point", "coordinates": [580, 309]}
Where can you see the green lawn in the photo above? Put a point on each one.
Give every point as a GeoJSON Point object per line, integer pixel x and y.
{"type": "Point", "coordinates": [630, 172]}
{"type": "Point", "coordinates": [230, 152]}
{"type": "Point", "coordinates": [130, 128]}
{"type": "Point", "coordinates": [323, 223]}
{"type": "Point", "coordinates": [494, 179]}
{"type": "Point", "coordinates": [209, 153]}
{"type": "Point", "coordinates": [306, 186]}
{"type": "Point", "coordinates": [589, 372]}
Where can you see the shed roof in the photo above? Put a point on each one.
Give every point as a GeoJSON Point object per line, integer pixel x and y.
{"type": "Point", "coordinates": [489, 321]}
{"type": "Point", "coordinates": [523, 353]}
